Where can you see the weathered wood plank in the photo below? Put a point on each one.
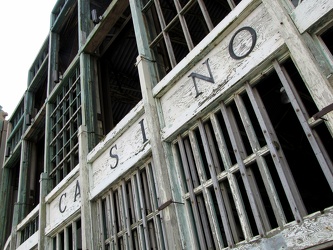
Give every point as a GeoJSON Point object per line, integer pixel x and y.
{"type": "Point", "coordinates": [314, 11]}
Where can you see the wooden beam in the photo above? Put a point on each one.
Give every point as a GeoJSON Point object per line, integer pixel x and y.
{"type": "Point", "coordinates": [109, 18]}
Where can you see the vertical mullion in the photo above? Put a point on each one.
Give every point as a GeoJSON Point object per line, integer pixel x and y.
{"type": "Point", "coordinates": [212, 149]}
{"type": "Point", "coordinates": [216, 185]}
{"type": "Point", "coordinates": [200, 201]}
{"type": "Point", "coordinates": [121, 215]}
{"type": "Point", "coordinates": [152, 191]}
{"type": "Point", "coordinates": [114, 218]}
{"type": "Point", "coordinates": [191, 192]}
{"type": "Point", "coordinates": [239, 151]}
{"type": "Point", "coordinates": [131, 203]}
{"type": "Point", "coordinates": [184, 26]}
{"type": "Point", "coordinates": [108, 217]}
{"type": "Point", "coordinates": [192, 167]}
{"type": "Point", "coordinates": [146, 191]}
{"type": "Point", "coordinates": [58, 239]}
{"type": "Point", "coordinates": [247, 231]}
{"type": "Point", "coordinates": [127, 216]}
{"type": "Point", "coordinates": [208, 197]}
{"type": "Point", "coordinates": [228, 208]}
{"type": "Point", "coordinates": [282, 167]}
{"type": "Point", "coordinates": [302, 116]}
{"type": "Point", "coordinates": [136, 201]}
{"type": "Point", "coordinates": [74, 236]}
{"type": "Point", "coordinates": [206, 16]}
{"type": "Point", "coordinates": [100, 213]}
{"type": "Point", "coordinates": [264, 171]}
{"type": "Point", "coordinates": [66, 238]}
{"type": "Point", "coordinates": [143, 211]}
{"type": "Point", "coordinates": [165, 34]}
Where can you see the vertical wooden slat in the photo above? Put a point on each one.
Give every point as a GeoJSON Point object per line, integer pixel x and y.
{"type": "Point", "coordinates": [137, 206]}
{"type": "Point", "coordinates": [153, 197]}
{"type": "Point", "coordinates": [210, 207]}
{"type": "Point", "coordinates": [264, 171]}
{"type": "Point", "coordinates": [200, 201]}
{"type": "Point", "coordinates": [100, 218]}
{"type": "Point", "coordinates": [239, 151]}
{"type": "Point", "coordinates": [114, 221]}
{"type": "Point", "coordinates": [66, 243]}
{"type": "Point", "coordinates": [127, 216]}
{"type": "Point", "coordinates": [278, 157]}
{"type": "Point", "coordinates": [218, 193]}
{"type": "Point", "coordinates": [143, 209]}
{"type": "Point", "coordinates": [74, 236]}
{"type": "Point", "coordinates": [108, 218]}
{"type": "Point", "coordinates": [242, 215]}
{"type": "Point", "coordinates": [213, 149]}
{"type": "Point", "coordinates": [191, 192]}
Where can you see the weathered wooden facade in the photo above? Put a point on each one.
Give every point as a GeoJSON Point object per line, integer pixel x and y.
{"type": "Point", "coordinates": [174, 124]}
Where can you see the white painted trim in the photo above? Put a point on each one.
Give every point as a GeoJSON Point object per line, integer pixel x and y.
{"type": "Point", "coordinates": [313, 10]}
{"type": "Point", "coordinates": [63, 184]}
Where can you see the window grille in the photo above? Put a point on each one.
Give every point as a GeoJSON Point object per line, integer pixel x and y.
{"type": "Point", "coordinates": [176, 27]}
{"type": "Point", "coordinates": [29, 229]}
{"type": "Point", "coordinates": [69, 238]}
{"type": "Point", "coordinates": [17, 128]}
{"type": "Point", "coordinates": [65, 121]}
{"type": "Point", "coordinates": [128, 214]}
{"type": "Point", "coordinates": [237, 170]}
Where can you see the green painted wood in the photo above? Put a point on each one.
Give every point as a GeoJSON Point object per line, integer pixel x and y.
{"type": "Point", "coordinates": [5, 184]}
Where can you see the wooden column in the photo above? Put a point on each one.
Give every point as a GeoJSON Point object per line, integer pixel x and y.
{"type": "Point", "coordinates": [87, 239]}
{"type": "Point", "coordinates": [314, 79]}
{"type": "Point", "coordinates": [44, 182]}
{"type": "Point", "coordinates": [148, 80]}
{"type": "Point", "coordinates": [89, 116]}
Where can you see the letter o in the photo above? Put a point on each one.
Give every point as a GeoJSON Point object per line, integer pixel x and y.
{"type": "Point", "coordinates": [254, 40]}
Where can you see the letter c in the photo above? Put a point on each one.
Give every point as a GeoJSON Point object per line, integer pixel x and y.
{"type": "Point", "coordinates": [60, 201]}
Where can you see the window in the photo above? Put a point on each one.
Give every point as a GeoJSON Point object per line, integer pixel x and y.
{"type": "Point", "coordinates": [326, 41]}
{"type": "Point", "coordinates": [176, 27]}
{"type": "Point", "coordinates": [29, 229]}
{"type": "Point", "coordinates": [65, 121]}
{"type": "Point", "coordinates": [128, 214]}
{"type": "Point", "coordinates": [248, 168]}
{"type": "Point", "coordinates": [69, 238]}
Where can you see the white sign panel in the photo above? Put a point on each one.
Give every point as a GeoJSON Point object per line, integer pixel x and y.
{"type": "Point", "coordinates": [64, 205]}
{"type": "Point", "coordinates": [127, 150]}
{"type": "Point", "coordinates": [242, 50]}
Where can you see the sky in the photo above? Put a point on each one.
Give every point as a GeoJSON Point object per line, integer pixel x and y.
{"type": "Point", "coordinates": [24, 26]}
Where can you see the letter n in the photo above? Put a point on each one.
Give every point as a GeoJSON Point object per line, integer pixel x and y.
{"type": "Point", "coordinates": [202, 77]}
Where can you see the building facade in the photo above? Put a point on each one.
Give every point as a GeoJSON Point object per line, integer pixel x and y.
{"type": "Point", "coordinates": [174, 124]}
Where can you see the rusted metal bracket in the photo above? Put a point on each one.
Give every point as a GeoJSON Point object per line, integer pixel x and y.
{"type": "Point", "coordinates": [323, 112]}
{"type": "Point", "coordinates": [167, 203]}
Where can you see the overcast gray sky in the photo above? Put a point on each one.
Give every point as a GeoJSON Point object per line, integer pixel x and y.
{"type": "Point", "coordinates": [24, 26]}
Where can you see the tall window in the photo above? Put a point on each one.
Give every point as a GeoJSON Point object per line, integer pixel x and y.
{"type": "Point", "coordinates": [65, 121]}
{"type": "Point", "coordinates": [255, 164]}
{"type": "Point", "coordinates": [128, 214]}
{"type": "Point", "coordinates": [176, 26]}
